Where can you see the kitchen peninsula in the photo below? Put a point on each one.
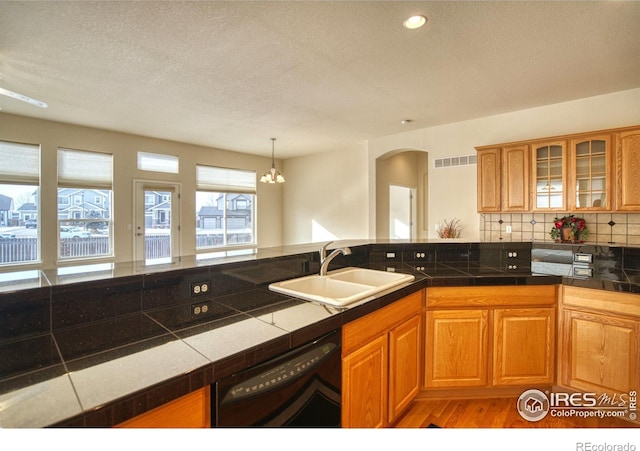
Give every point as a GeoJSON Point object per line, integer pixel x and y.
{"type": "Point", "coordinates": [104, 344]}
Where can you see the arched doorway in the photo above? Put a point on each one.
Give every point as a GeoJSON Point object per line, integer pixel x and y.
{"type": "Point", "coordinates": [401, 174]}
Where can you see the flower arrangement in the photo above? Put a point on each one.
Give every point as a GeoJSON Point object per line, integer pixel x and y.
{"type": "Point", "coordinates": [451, 229]}
{"type": "Point", "coordinates": [569, 229]}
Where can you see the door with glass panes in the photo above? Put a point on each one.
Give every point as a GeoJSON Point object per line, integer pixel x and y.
{"type": "Point", "coordinates": [157, 221]}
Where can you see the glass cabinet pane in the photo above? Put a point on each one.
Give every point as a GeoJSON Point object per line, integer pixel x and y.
{"type": "Point", "coordinates": [555, 170]}
{"type": "Point", "coordinates": [591, 174]}
{"type": "Point", "coordinates": [582, 167]}
{"type": "Point", "coordinates": [549, 177]}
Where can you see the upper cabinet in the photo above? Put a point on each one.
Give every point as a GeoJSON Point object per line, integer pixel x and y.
{"type": "Point", "coordinates": [628, 170]}
{"type": "Point", "coordinates": [515, 178]}
{"type": "Point", "coordinates": [596, 171]}
{"type": "Point", "coordinates": [489, 180]}
{"type": "Point", "coordinates": [503, 179]}
{"type": "Point", "coordinates": [591, 163]}
{"type": "Point", "coordinates": [549, 175]}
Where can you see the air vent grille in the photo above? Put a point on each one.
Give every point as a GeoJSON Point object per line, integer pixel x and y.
{"type": "Point", "coordinates": [462, 160]}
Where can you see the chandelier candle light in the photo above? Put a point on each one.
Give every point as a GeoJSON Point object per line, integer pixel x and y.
{"type": "Point", "coordinates": [272, 175]}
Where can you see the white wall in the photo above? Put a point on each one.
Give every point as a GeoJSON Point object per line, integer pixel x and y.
{"type": "Point", "coordinates": [326, 196]}
{"type": "Point", "coordinates": [453, 191]}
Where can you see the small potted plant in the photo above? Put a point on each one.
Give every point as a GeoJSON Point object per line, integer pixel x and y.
{"type": "Point", "coordinates": [569, 229]}
{"type": "Point", "coordinates": [451, 229]}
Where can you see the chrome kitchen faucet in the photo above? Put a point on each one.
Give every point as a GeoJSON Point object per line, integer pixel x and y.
{"type": "Point", "coordinates": [325, 260]}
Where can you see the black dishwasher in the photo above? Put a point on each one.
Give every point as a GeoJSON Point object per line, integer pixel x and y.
{"type": "Point", "coordinates": [300, 388]}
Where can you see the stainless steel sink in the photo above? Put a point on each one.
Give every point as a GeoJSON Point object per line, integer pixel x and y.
{"type": "Point", "coordinates": [341, 287]}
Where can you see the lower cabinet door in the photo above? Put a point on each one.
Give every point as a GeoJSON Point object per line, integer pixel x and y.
{"type": "Point", "coordinates": [456, 348]}
{"type": "Point", "coordinates": [523, 346]}
{"type": "Point", "coordinates": [364, 382]}
{"type": "Point", "coordinates": [404, 365]}
{"type": "Point", "coordinates": [602, 353]}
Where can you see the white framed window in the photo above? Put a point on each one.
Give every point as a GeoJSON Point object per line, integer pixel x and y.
{"type": "Point", "coordinates": [19, 203]}
{"type": "Point", "coordinates": [225, 208]}
{"type": "Point", "coordinates": [158, 162]}
{"type": "Point", "coordinates": [85, 227]}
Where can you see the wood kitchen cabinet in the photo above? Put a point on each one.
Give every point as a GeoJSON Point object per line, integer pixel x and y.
{"type": "Point", "coordinates": [456, 347]}
{"type": "Point", "coordinates": [599, 340]}
{"type": "Point", "coordinates": [582, 172]}
{"type": "Point", "coordinates": [627, 170]}
{"type": "Point", "coordinates": [503, 179]}
{"type": "Point", "coordinates": [489, 170]}
{"type": "Point", "coordinates": [549, 174]}
{"type": "Point", "coordinates": [189, 411]}
{"type": "Point", "coordinates": [515, 178]}
{"type": "Point", "coordinates": [591, 171]}
{"type": "Point", "coordinates": [489, 336]}
{"type": "Point", "coordinates": [523, 346]}
{"type": "Point", "coordinates": [364, 385]}
{"type": "Point", "coordinates": [382, 363]}
{"type": "Point", "coordinates": [405, 361]}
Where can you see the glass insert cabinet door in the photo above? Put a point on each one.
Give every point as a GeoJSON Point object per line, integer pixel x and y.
{"type": "Point", "coordinates": [590, 168]}
{"type": "Point", "coordinates": [549, 175]}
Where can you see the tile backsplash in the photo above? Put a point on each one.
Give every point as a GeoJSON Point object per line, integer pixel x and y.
{"type": "Point", "coordinates": [620, 229]}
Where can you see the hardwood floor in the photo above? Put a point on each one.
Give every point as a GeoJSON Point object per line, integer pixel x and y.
{"type": "Point", "coordinates": [490, 413]}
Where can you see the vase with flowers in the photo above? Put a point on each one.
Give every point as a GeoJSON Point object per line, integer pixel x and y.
{"type": "Point", "coordinates": [569, 229]}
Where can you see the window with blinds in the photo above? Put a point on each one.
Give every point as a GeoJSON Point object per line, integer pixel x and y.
{"type": "Point", "coordinates": [158, 162]}
{"type": "Point", "coordinates": [19, 203]}
{"type": "Point", "coordinates": [225, 208]}
{"type": "Point", "coordinates": [85, 193]}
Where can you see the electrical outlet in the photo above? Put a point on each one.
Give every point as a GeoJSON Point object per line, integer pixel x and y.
{"type": "Point", "coordinates": [200, 308]}
{"type": "Point", "coordinates": [508, 229]}
{"type": "Point", "coordinates": [200, 288]}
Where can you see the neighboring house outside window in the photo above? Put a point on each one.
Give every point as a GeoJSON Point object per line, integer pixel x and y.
{"type": "Point", "coordinates": [85, 227]}
{"type": "Point", "coordinates": [225, 208]}
{"type": "Point", "coordinates": [19, 207]}
{"type": "Point", "coordinates": [157, 213]}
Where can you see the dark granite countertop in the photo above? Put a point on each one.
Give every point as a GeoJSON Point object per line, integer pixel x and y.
{"type": "Point", "coordinates": [102, 361]}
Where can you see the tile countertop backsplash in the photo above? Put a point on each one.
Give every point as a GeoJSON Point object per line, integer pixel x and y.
{"type": "Point", "coordinates": [609, 229]}
{"type": "Point", "coordinates": [98, 344]}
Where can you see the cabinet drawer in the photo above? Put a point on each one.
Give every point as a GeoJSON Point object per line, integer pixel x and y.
{"type": "Point", "coordinates": [521, 295]}
{"type": "Point", "coordinates": [363, 330]}
{"type": "Point", "coordinates": [601, 300]}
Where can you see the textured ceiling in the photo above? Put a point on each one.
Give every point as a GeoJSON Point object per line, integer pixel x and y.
{"type": "Point", "coordinates": [317, 75]}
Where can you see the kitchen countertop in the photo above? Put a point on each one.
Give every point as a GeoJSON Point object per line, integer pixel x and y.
{"type": "Point", "coordinates": [100, 373]}
{"type": "Point", "coordinates": [120, 358]}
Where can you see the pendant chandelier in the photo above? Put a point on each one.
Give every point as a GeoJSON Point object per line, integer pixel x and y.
{"type": "Point", "coordinates": [272, 175]}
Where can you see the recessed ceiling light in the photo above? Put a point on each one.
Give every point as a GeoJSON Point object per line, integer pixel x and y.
{"type": "Point", "coordinates": [414, 22]}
